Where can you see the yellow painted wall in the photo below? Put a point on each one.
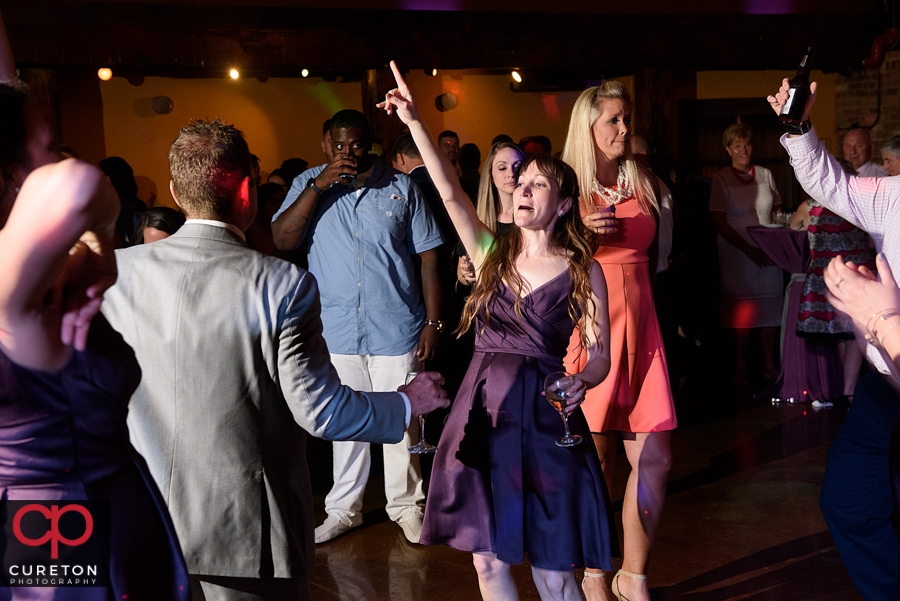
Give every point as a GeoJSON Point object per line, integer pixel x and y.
{"type": "Point", "coordinates": [487, 108]}
{"type": "Point", "coordinates": [281, 118]}
{"type": "Point", "coordinates": [759, 84]}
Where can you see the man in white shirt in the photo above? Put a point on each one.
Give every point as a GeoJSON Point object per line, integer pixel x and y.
{"type": "Point", "coordinates": [858, 150]}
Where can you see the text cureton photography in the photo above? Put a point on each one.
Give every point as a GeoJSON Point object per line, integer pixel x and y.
{"type": "Point", "coordinates": [57, 543]}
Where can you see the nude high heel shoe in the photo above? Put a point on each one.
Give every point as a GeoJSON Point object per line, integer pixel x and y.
{"type": "Point", "coordinates": [592, 575]}
{"type": "Point", "coordinates": [615, 582]}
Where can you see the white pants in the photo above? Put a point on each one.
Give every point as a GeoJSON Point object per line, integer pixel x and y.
{"type": "Point", "coordinates": [352, 460]}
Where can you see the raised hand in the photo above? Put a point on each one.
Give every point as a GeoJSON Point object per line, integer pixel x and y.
{"type": "Point", "coordinates": [341, 164]}
{"type": "Point", "coordinates": [781, 96]}
{"type": "Point", "coordinates": [399, 100]}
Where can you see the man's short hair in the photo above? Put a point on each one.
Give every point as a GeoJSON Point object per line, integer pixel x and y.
{"type": "Point", "coordinates": [501, 138]}
{"type": "Point", "coordinates": [863, 132]}
{"type": "Point", "coordinates": [326, 127]}
{"type": "Point", "coordinates": [892, 147]}
{"type": "Point", "coordinates": [448, 134]}
{"type": "Point", "coordinates": [208, 163]}
{"type": "Point", "coordinates": [405, 145]}
{"type": "Point", "coordinates": [350, 118]}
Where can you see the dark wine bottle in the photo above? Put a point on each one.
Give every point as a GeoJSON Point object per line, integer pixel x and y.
{"type": "Point", "coordinates": [791, 114]}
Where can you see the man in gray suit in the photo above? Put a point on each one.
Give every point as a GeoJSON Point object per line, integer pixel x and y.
{"type": "Point", "coordinates": [235, 372]}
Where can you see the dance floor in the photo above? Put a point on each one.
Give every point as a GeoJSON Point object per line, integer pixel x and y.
{"type": "Point", "coordinates": [741, 519]}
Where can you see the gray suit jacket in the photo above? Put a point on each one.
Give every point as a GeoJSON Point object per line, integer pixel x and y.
{"type": "Point", "coordinates": [235, 372]}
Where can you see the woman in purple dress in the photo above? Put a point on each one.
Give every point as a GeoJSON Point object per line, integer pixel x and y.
{"type": "Point", "coordinates": [501, 488]}
{"type": "Point", "coordinates": [65, 375]}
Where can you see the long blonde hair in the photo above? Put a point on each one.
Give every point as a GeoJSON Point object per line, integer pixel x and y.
{"type": "Point", "coordinates": [580, 149]}
{"type": "Point", "coordinates": [569, 236]}
{"type": "Point", "coordinates": [488, 196]}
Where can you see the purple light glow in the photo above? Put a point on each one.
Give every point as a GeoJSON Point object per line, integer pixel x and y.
{"type": "Point", "coordinates": [432, 5]}
{"type": "Point", "coordinates": [768, 7]}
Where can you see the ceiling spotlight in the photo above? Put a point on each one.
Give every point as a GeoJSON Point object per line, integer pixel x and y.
{"type": "Point", "coordinates": [104, 74]}
{"type": "Point", "coordinates": [305, 73]}
{"type": "Point", "coordinates": [431, 72]}
{"type": "Point", "coordinates": [234, 74]}
{"type": "Point", "coordinates": [517, 77]}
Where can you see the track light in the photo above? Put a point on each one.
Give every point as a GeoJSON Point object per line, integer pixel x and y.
{"type": "Point", "coordinates": [234, 74]}
{"type": "Point", "coordinates": [517, 77]}
{"type": "Point", "coordinates": [431, 72]}
{"type": "Point", "coordinates": [305, 73]}
{"type": "Point", "coordinates": [104, 74]}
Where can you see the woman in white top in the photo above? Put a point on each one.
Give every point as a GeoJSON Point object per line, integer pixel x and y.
{"type": "Point", "coordinates": [744, 195]}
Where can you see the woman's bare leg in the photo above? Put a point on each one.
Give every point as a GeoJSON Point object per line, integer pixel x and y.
{"type": "Point", "coordinates": [494, 578]}
{"type": "Point", "coordinates": [597, 589]}
{"type": "Point", "coordinates": [554, 585]}
{"type": "Point", "coordinates": [650, 456]}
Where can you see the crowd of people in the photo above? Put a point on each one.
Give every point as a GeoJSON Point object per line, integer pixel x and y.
{"type": "Point", "coordinates": [173, 362]}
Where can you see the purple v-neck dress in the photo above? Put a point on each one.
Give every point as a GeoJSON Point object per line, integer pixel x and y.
{"type": "Point", "coordinates": [63, 437]}
{"type": "Point", "coordinates": [500, 483]}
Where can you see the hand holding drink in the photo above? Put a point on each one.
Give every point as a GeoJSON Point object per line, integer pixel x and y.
{"type": "Point", "coordinates": [603, 221]}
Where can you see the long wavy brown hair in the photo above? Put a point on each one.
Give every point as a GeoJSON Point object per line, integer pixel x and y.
{"type": "Point", "coordinates": [569, 237]}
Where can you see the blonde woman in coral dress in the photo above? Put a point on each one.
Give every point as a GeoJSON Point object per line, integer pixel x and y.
{"type": "Point", "coordinates": [635, 401]}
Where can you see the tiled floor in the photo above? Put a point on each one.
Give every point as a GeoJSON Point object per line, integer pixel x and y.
{"type": "Point", "coordinates": [741, 519]}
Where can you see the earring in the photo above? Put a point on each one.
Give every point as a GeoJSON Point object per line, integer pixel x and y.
{"type": "Point", "coordinates": [560, 213]}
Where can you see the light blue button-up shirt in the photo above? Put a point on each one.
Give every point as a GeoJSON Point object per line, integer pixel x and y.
{"type": "Point", "coordinates": [360, 245]}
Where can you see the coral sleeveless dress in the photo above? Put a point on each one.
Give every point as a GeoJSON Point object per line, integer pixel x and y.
{"type": "Point", "coordinates": [500, 483]}
{"type": "Point", "coordinates": [636, 395]}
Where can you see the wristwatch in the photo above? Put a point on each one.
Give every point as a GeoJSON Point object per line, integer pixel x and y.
{"type": "Point", "coordinates": [798, 130]}
{"type": "Point", "coordinates": [438, 324]}
{"type": "Point", "coordinates": [312, 184]}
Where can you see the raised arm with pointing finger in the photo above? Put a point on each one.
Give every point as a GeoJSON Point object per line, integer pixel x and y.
{"type": "Point", "coordinates": [472, 232]}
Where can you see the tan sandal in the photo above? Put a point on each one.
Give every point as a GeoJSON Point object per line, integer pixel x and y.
{"type": "Point", "coordinates": [587, 575]}
{"type": "Point", "coordinates": [615, 582]}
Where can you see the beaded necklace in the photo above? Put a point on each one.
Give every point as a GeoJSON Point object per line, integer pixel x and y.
{"type": "Point", "coordinates": [613, 196]}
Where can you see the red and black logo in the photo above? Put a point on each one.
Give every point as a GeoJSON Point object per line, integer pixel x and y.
{"type": "Point", "coordinates": [56, 543]}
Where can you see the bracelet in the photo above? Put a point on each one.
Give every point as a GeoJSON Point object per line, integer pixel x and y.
{"type": "Point", "coordinates": [883, 315]}
{"type": "Point", "coordinates": [438, 324]}
{"type": "Point", "coordinates": [893, 325]}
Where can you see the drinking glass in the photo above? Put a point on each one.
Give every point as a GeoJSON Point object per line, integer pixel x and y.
{"type": "Point", "coordinates": [555, 386]}
{"type": "Point", "coordinates": [422, 446]}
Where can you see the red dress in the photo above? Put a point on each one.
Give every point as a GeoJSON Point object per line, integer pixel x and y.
{"type": "Point", "coordinates": [636, 395]}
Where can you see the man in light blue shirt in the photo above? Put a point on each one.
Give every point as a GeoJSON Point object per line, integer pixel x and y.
{"type": "Point", "coordinates": [363, 223]}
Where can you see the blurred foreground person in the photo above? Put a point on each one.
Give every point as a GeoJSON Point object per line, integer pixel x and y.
{"type": "Point", "coordinates": [856, 492]}
{"type": "Point", "coordinates": [65, 380]}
